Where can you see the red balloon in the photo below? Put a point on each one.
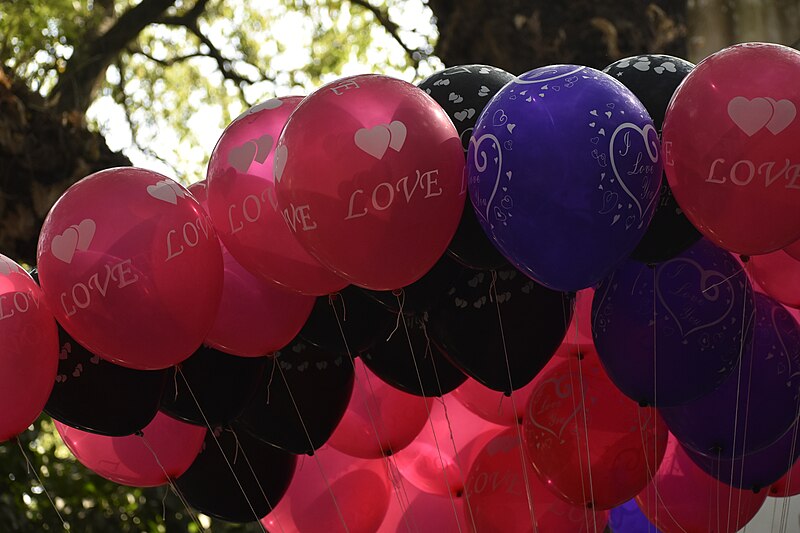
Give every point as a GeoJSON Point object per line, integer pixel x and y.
{"type": "Point", "coordinates": [411, 509]}
{"type": "Point", "coordinates": [788, 485]}
{"type": "Point", "coordinates": [691, 501]}
{"type": "Point", "coordinates": [255, 317]}
{"type": "Point", "coordinates": [369, 176]}
{"type": "Point", "coordinates": [778, 274]}
{"type": "Point", "coordinates": [131, 267]}
{"type": "Point", "coordinates": [241, 194]}
{"type": "Point", "coordinates": [793, 250]}
{"type": "Point", "coordinates": [498, 495]}
{"type": "Point", "coordinates": [492, 405]}
{"type": "Point", "coordinates": [438, 460]}
{"type": "Point", "coordinates": [730, 147]}
{"type": "Point", "coordinates": [376, 406]}
{"type": "Point", "coordinates": [129, 460]}
{"type": "Point", "coordinates": [29, 354]}
{"type": "Point", "coordinates": [580, 331]}
{"type": "Point", "coordinates": [359, 495]}
{"type": "Point", "coordinates": [591, 444]}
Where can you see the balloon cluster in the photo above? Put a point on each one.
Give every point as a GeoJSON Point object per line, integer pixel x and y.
{"type": "Point", "coordinates": [320, 335]}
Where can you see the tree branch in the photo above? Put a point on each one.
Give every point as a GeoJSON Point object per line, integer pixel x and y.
{"type": "Point", "coordinates": [391, 28]}
{"type": "Point", "coordinates": [165, 62]}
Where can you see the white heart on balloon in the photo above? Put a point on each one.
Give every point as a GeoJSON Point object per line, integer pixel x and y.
{"type": "Point", "coordinates": [750, 115]}
{"type": "Point", "coordinates": [279, 162]}
{"type": "Point", "coordinates": [374, 141]}
{"type": "Point", "coordinates": [86, 230]}
{"type": "Point", "coordinates": [63, 246]}
{"type": "Point", "coordinates": [398, 133]}
{"type": "Point", "coordinates": [163, 191]}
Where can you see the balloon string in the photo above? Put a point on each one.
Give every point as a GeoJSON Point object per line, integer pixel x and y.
{"type": "Point", "coordinates": [428, 350]}
{"type": "Point", "coordinates": [164, 504]}
{"type": "Point", "coordinates": [400, 302]}
{"type": "Point", "coordinates": [714, 286]}
{"type": "Point", "coordinates": [271, 375]}
{"type": "Point", "coordinates": [175, 381]}
{"type": "Point", "coordinates": [528, 494]}
{"type": "Point", "coordinates": [32, 469]}
{"type": "Point", "coordinates": [792, 451]}
{"type": "Point", "coordinates": [171, 484]}
{"type": "Point", "coordinates": [240, 448]}
{"type": "Point", "coordinates": [395, 477]}
{"type": "Point", "coordinates": [744, 433]}
{"type": "Point", "coordinates": [586, 429]}
{"type": "Point", "coordinates": [655, 389]}
{"type": "Point", "coordinates": [774, 510]}
{"type": "Point", "coordinates": [314, 455]}
{"type": "Point", "coordinates": [221, 451]}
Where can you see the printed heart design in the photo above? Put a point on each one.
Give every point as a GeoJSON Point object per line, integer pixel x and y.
{"type": "Point", "coordinates": [658, 70]}
{"type": "Point", "coordinates": [508, 144]}
{"type": "Point", "coordinates": [279, 162]}
{"type": "Point", "coordinates": [455, 98]}
{"type": "Point", "coordinates": [510, 127]}
{"type": "Point", "coordinates": [480, 302]}
{"type": "Point", "coordinates": [442, 82]}
{"type": "Point", "coordinates": [483, 91]}
{"type": "Point", "coordinates": [750, 115]}
{"type": "Point", "coordinates": [263, 147]}
{"type": "Point", "coordinates": [272, 103]}
{"type": "Point", "coordinates": [641, 149]}
{"type": "Point", "coordinates": [608, 114]}
{"type": "Point", "coordinates": [610, 199]}
{"type": "Point", "coordinates": [95, 360]}
{"type": "Point", "coordinates": [557, 88]}
{"type": "Point", "coordinates": [484, 70]}
{"type": "Point", "coordinates": [76, 373]}
{"type": "Point", "coordinates": [460, 303]}
{"type": "Point", "coordinates": [63, 246]}
{"type": "Point", "coordinates": [61, 378]}
{"type": "Point", "coordinates": [398, 133]}
{"type": "Point", "coordinates": [783, 115]}
{"type": "Point", "coordinates": [507, 202]}
{"type": "Point", "coordinates": [643, 66]}
{"type": "Point", "coordinates": [321, 365]}
{"type": "Point", "coordinates": [5, 267]}
{"type": "Point", "coordinates": [461, 116]}
{"type": "Point", "coordinates": [499, 118]}
{"type": "Point", "coordinates": [669, 66]}
{"type": "Point", "coordinates": [240, 157]}
{"type": "Point", "coordinates": [179, 191]}
{"type": "Point", "coordinates": [563, 387]}
{"type": "Point", "coordinates": [164, 192]}
{"type": "Point", "coordinates": [593, 112]}
{"type": "Point", "coordinates": [374, 141]}
{"type": "Point", "coordinates": [529, 99]}
{"type": "Point", "coordinates": [592, 124]}
{"type": "Point", "coordinates": [623, 64]}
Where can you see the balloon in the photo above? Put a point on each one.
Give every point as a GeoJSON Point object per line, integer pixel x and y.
{"type": "Point", "coordinates": [331, 489]}
{"type": "Point", "coordinates": [433, 512]}
{"type": "Point", "coordinates": [346, 322]}
{"type": "Point", "coordinates": [531, 321]}
{"type": "Point", "coordinates": [788, 484]}
{"type": "Point", "coordinates": [131, 267]}
{"type": "Point", "coordinates": [473, 87]}
{"type": "Point", "coordinates": [686, 334]}
{"type": "Point", "coordinates": [729, 142]}
{"type": "Point", "coordinates": [586, 440]}
{"type": "Point", "coordinates": [212, 387]}
{"type": "Point", "coordinates": [628, 518]}
{"type": "Point", "coordinates": [580, 330]}
{"type": "Point", "coordinates": [755, 404]}
{"type": "Point", "coordinates": [388, 201]}
{"type": "Point", "coordinates": [261, 475]}
{"type": "Point", "coordinates": [498, 495]}
{"type": "Point", "coordinates": [492, 405]}
{"type": "Point", "coordinates": [96, 396]}
{"type": "Point", "coordinates": [778, 274]}
{"type": "Point", "coordinates": [438, 460]}
{"type": "Point", "coordinates": [684, 499]}
{"type": "Point", "coordinates": [793, 249]}
{"type": "Point", "coordinates": [653, 78]}
{"type": "Point", "coordinates": [301, 399]}
{"type": "Point", "coordinates": [255, 317]}
{"type": "Point", "coordinates": [380, 419]}
{"type": "Point", "coordinates": [29, 356]}
{"type": "Point", "coordinates": [561, 201]}
{"type": "Point", "coordinates": [243, 206]}
{"type": "Point", "coordinates": [421, 295]}
{"type": "Point", "coordinates": [163, 450]}
{"type": "Point", "coordinates": [409, 361]}
{"type": "Point", "coordinates": [753, 471]}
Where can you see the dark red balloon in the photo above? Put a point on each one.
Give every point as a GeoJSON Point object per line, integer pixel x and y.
{"type": "Point", "coordinates": [778, 274]}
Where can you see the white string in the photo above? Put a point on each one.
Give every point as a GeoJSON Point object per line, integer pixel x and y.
{"type": "Point", "coordinates": [31, 469]}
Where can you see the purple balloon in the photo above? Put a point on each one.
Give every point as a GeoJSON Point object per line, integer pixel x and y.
{"type": "Point", "coordinates": [672, 344]}
{"type": "Point", "coordinates": [753, 471]}
{"type": "Point", "coordinates": [628, 518]}
{"type": "Point", "coordinates": [754, 406]}
{"type": "Point", "coordinates": [564, 170]}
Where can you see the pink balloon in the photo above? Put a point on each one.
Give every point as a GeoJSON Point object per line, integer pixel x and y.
{"type": "Point", "coordinates": [691, 501]}
{"type": "Point", "coordinates": [411, 509]}
{"type": "Point", "coordinates": [358, 496]}
{"type": "Point", "coordinates": [498, 495]}
{"type": "Point", "coordinates": [129, 460]}
{"type": "Point", "coordinates": [491, 405]}
{"type": "Point", "coordinates": [369, 175]}
{"type": "Point", "coordinates": [376, 406]}
{"type": "Point", "coordinates": [29, 354]}
{"type": "Point", "coordinates": [131, 267]}
{"type": "Point", "coordinates": [778, 274]}
{"type": "Point", "coordinates": [793, 250]}
{"type": "Point", "coordinates": [241, 195]}
{"type": "Point", "coordinates": [788, 485]}
{"type": "Point", "coordinates": [255, 317]}
{"type": "Point", "coordinates": [421, 462]}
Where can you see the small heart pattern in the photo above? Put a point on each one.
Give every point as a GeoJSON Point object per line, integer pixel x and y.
{"type": "Point", "coordinates": [164, 191]}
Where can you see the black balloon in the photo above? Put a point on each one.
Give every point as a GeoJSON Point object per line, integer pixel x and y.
{"type": "Point", "coordinates": [210, 487]}
{"type": "Point", "coordinates": [534, 322]}
{"type": "Point", "coordinates": [221, 384]}
{"type": "Point", "coordinates": [94, 395]}
{"type": "Point", "coordinates": [304, 379]}
{"type": "Point", "coordinates": [653, 79]}
{"type": "Point", "coordinates": [362, 319]}
{"type": "Point", "coordinates": [463, 92]}
{"type": "Point", "coordinates": [421, 295]}
{"type": "Point", "coordinates": [423, 372]}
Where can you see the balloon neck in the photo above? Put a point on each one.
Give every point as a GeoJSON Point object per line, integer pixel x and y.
{"type": "Point", "coordinates": [744, 258]}
{"type": "Point", "coordinates": [756, 489]}
{"type": "Point", "coordinates": [644, 403]}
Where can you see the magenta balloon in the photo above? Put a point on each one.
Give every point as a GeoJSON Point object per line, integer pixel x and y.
{"type": "Point", "coordinates": [793, 250]}
{"type": "Point", "coordinates": [241, 194]}
{"type": "Point", "coordinates": [380, 419]}
{"type": "Point", "coordinates": [29, 354]}
{"type": "Point", "coordinates": [135, 460]}
{"type": "Point", "coordinates": [494, 406]}
{"type": "Point", "coordinates": [778, 273]}
{"type": "Point", "coordinates": [131, 267]}
{"type": "Point", "coordinates": [255, 317]}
